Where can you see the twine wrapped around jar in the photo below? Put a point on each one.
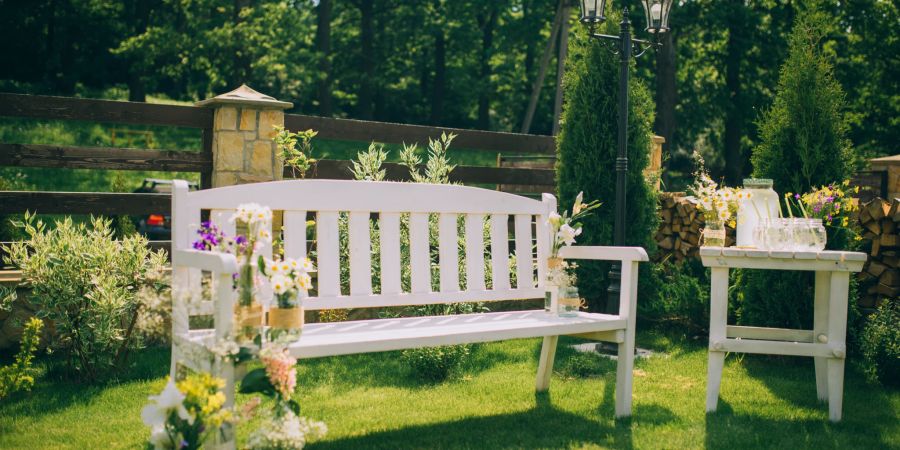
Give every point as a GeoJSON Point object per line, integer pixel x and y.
{"type": "Point", "coordinates": [554, 263]}
{"type": "Point", "coordinates": [286, 318]}
{"type": "Point", "coordinates": [247, 321]}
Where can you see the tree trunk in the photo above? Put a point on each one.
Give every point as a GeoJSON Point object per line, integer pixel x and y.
{"type": "Point", "coordinates": [666, 92]}
{"type": "Point", "coordinates": [366, 101]}
{"type": "Point", "coordinates": [561, 67]}
{"type": "Point", "coordinates": [487, 22]}
{"type": "Point", "coordinates": [242, 59]}
{"type": "Point", "coordinates": [137, 88]}
{"type": "Point", "coordinates": [440, 75]}
{"type": "Point", "coordinates": [542, 71]}
{"type": "Point", "coordinates": [734, 110]}
{"type": "Point", "coordinates": [323, 48]}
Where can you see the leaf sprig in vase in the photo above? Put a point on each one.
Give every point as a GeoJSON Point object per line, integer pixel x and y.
{"type": "Point", "coordinates": [565, 229]}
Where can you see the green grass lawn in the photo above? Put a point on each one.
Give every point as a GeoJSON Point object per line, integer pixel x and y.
{"type": "Point", "coordinates": [371, 401]}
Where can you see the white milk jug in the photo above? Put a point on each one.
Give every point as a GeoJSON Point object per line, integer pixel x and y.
{"type": "Point", "coordinates": [761, 204]}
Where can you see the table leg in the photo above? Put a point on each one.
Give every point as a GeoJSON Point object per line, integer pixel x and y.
{"type": "Point", "coordinates": [837, 333]}
{"type": "Point", "coordinates": [820, 328]}
{"type": "Point", "coordinates": [718, 320]}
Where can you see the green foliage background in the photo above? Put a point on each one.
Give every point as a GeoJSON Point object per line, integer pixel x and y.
{"type": "Point", "coordinates": [803, 145]}
{"type": "Point", "coordinates": [587, 151]}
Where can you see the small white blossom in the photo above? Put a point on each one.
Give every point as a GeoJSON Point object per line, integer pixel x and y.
{"type": "Point", "coordinates": [567, 234]}
{"type": "Point", "coordinates": [160, 406]}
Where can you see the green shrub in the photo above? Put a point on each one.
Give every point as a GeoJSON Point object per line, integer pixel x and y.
{"type": "Point", "coordinates": [86, 283]}
{"type": "Point", "coordinates": [19, 376]}
{"type": "Point", "coordinates": [587, 365]}
{"type": "Point", "coordinates": [587, 151]}
{"type": "Point", "coordinates": [435, 363]}
{"type": "Point", "coordinates": [803, 143]}
{"type": "Point", "coordinates": [681, 296]}
{"type": "Point", "coordinates": [880, 342]}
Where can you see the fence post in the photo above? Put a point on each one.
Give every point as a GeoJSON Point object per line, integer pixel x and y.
{"type": "Point", "coordinates": [243, 128]}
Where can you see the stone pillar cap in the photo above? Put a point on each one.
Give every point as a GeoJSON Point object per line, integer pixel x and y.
{"type": "Point", "coordinates": [246, 96]}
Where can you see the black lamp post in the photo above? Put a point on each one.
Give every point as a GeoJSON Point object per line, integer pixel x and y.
{"type": "Point", "coordinates": [657, 15]}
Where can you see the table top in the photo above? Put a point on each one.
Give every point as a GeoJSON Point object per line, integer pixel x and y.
{"type": "Point", "coordinates": [827, 260]}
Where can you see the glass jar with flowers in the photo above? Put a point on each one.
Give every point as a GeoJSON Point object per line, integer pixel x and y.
{"type": "Point", "coordinates": [290, 281]}
{"type": "Point", "coordinates": [564, 229]}
{"type": "Point", "coordinates": [829, 206]}
{"type": "Point", "coordinates": [248, 312]}
{"type": "Point", "coordinates": [718, 205]}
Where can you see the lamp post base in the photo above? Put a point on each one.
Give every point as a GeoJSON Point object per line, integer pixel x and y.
{"type": "Point", "coordinates": [615, 287]}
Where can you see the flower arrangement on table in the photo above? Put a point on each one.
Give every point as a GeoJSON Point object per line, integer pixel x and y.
{"type": "Point", "coordinates": [290, 281]}
{"type": "Point", "coordinates": [561, 275]}
{"type": "Point", "coordinates": [185, 414]}
{"type": "Point", "coordinates": [832, 203]}
{"type": "Point", "coordinates": [717, 204]}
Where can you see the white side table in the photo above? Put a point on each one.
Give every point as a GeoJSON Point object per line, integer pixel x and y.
{"type": "Point", "coordinates": [826, 342]}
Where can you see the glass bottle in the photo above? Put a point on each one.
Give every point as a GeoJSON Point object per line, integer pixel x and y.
{"type": "Point", "coordinates": [761, 204]}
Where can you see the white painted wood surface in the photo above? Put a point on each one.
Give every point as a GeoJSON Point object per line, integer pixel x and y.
{"type": "Point", "coordinates": [392, 202]}
{"type": "Point", "coordinates": [499, 251]}
{"type": "Point", "coordinates": [826, 342]}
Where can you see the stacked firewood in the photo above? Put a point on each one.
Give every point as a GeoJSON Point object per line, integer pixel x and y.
{"type": "Point", "coordinates": [880, 278]}
{"type": "Point", "coordinates": [680, 226]}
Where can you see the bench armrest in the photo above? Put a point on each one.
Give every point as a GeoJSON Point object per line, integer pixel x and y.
{"type": "Point", "coordinates": [604, 253]}
{"type": "Point", "coordinates": [205, 260]}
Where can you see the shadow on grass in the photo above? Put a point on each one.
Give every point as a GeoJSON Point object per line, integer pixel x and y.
{"type": "Point", "coordinates": [543, 426]}
{"type": "Point", "coordinates": [793, 379]}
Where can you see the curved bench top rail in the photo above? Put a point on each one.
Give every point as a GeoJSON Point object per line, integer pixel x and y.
{"type": "Point", "coordinates": [367, 196]}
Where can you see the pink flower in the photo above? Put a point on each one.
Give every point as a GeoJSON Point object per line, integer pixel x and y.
{"type": "Point", "coordinates": [281, 370]}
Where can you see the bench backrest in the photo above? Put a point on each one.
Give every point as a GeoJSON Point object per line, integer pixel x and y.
{"type": "Point", "coordinates": [395, 217]}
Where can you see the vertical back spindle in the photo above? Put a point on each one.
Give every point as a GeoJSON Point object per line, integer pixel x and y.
{"type": "Point", "coordinates": [500, 251]}
{"type": "Point", "coordinates": [360, 254]}
{"type": "Point", "coordinates": [524, 258]}
{"type": "Point", "coordinates": [419, 253]}
{"type": "Point", "coordinates": [328, 263]}
{"type": "Point", "coordinates": [475, 252]}
{"type": "Point", "coordinates": [389, 228]}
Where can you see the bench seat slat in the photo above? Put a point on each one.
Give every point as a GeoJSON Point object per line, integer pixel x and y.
{"type": "Point", "coordinates": [295, 234]}
{"type": "Point", "coordinates": [341, 338]}
{"type": "Point", "coordinates": [360, 254]}
{"type": "Point", "coordinates": [448, 248]}
{"type": "Point", "coordinates": [389, 229]}
{"type": "Point", "coordinates": [475, 251]}
{"type": "Point", "coordinates": [500, 251]}
{"type": "Point", "coordinates": [419, 253]}
{"type": "Point", "coordinates": [328, 263]}
{"type": "Point", "coordinates": [524, 258]}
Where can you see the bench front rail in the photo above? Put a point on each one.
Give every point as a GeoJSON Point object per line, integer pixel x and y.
{"type": "Point", "coordinates": [467, 220]}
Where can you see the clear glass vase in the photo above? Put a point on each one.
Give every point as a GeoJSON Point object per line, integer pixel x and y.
{"type": "Point", "coordinates": [818, 235]}
{"type": "Point", "coordinates": [568, 302]}
{"type": "Point", "coordinates": [285, 318]}
{"type": "Point", "coordinates": [714, 233]}
{"type": "Point", "coordinates": [248, 311]}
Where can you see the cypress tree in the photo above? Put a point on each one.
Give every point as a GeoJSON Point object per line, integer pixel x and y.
{"type": "Point", "coordinates": [586, 154]}
{"type": "Point", "coordinates": [803, 144]}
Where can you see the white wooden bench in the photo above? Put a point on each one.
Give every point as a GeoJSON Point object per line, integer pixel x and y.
{"type": "Point", "coordinates": [392, 202]}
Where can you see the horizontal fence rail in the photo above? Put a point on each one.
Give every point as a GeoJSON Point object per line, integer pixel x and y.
{"type": "Point", "coordinates": [395, 133]}
{"type": "Point", "coordinates": [134, 113]}
{"type": "Point", "coordinates": [340, 170]}
{"type": "Point", "coordinates": [98, 203]}
{"type": "Point", "coordinates": [54, 156]}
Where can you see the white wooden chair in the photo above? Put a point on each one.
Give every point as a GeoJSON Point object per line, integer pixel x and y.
{"type": "Point", "coordinates": [392, 202]}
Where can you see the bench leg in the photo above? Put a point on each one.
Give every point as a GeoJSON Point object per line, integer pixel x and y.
{"type": "Point", "coordinates": [820, 327]}
{"type": "Point", "coordinates": [624, 377]}
{"type": "Point", "coordinates": [545, 364]}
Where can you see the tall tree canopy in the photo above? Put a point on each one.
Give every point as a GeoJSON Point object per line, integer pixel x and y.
{"type": "Point", "coordinates": [461, 63]}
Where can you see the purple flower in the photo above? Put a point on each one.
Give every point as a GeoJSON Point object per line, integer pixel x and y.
{"type": "Point", "coordinates": [797, 196]}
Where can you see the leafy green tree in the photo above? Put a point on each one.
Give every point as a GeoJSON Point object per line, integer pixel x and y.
{"type": "Point", "coordinates": [803, 144]}
{"type": "Point", "coordinates": [587, 149]}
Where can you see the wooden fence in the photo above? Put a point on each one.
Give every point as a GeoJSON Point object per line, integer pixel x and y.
{"type": "Point", "coordinates": [129, 113]}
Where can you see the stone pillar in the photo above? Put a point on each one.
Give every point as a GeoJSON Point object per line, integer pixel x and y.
{"type": "Point", "coordinates": [243, 131]}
